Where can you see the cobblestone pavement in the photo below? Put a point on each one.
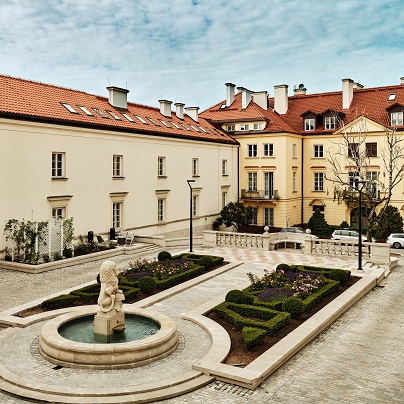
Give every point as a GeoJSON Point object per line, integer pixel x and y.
{"type": "Point", "coordinates": [357, 359]}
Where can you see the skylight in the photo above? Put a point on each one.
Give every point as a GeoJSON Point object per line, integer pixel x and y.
{"type": "Point", "coordinates": [223, 106]}
{"type": "Point", "coordinates": [69, 108]}
{"type": "Point", "coordinates": [99, 112]}
{"type": "Point", "coordinates": [114, 115]}
{"type": "Point", "coordinates": [186, 127]}
{"type": "Point", "coordinates": [165, 123]}
{"type": "Point", "coordinates": [200, 127]}
{"type": "Point", "coordinates": [85, 110]}
{"type": "Point", "coordinates": [152, 121]}
{"type": "Point", "coordinates": [128, 117]}
{"type": "Point", "coordinates": [174, 124]}
{"type": "Point", "coordinates": [193, 127]}
{"type": "Point", "coordinates": [141, 119]}
{"type": "Point", "coordinates": [392, 97]}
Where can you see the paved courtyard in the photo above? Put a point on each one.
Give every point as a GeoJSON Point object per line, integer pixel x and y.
{"type": "Point", "coordinates": [356, 360]}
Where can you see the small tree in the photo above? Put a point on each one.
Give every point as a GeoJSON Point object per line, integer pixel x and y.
{"type": "Point", "coordinates": [318, 225]}
{"type": "Point", "coordinates": [389, 222]}
{"type": "Point", "coordinates": [235, 214]}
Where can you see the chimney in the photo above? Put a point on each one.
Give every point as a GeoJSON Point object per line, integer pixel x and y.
{"type": "Point", "coordinates": [401, 80]}
{"type": "Point", "coordinates": [165, 108]}
{"type": "Point", "coordinates": [192, 112]}
{"type": "Point", "coordinates": [261, 99]}
{"type": "Point", "coordinates": [179, 112]}
{"type": "Point", "coordinates": [358, 86]}
{"type": "Point", "coordinates": [281, 99]}
{"type": "Point", "coordinates": [229, 93]}
{"type": "Point", "coordinates": [300, 90]}
{"type": "Point", "coordinates": [347, 93]}
{"type": "Point", "coordinates": [246, 97]}
{"type": "Point", "coordinates": [117, 97]}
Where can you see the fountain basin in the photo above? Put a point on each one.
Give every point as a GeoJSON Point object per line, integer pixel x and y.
{"type": "Point", "coordinates": [65, 352]}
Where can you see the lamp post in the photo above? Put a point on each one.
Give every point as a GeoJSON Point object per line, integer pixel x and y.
{"type": "Point", "coordinates": [359, 182]}
{"type": "Point", "coordinates": [190, 215]}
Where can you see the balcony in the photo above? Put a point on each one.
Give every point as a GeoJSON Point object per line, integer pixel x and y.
{"type": "Point", "coordinates": [260, 195]}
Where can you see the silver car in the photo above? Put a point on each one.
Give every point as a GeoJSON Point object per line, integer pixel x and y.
{"type": "Point", "coordinates": [347, 235]}
{"type": "Point", "coordinates": [396, 240]}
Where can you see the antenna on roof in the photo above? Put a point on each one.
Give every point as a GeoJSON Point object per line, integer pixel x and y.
{"type": "Point", "coordinates": [109, 84]}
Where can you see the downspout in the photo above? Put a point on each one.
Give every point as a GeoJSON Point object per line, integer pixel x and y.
{"type": "Point", "coordinates": [302, 206]}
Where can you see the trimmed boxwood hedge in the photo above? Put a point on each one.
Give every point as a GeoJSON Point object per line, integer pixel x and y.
{"type": "Point", "coordinates": [253, 336]}
{"type": "Point", "coordinates": [60, 301]}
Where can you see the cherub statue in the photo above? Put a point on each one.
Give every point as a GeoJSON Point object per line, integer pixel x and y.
{"type": "Point", "coordinates": [110, 296]}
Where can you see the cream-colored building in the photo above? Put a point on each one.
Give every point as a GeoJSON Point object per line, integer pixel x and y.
{"type": "Point", "coordinates": [287, 142]}
{"type": "Point", "coordinates": [109, 163]}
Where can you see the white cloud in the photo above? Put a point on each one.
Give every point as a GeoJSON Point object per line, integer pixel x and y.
{"type": "Point", "coordinates": [186, 50]}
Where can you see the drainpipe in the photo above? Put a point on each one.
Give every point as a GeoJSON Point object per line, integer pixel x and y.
{"type": "Point", "coordinates": [302, 207]}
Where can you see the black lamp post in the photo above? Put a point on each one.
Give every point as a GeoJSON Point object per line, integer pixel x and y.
{"type": "Point", "coordinates": [190, 215]}
{"type": "Point", "coordinates": [359, 182]}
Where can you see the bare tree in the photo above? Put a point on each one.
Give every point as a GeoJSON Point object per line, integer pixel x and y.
{"type": "Point", "coordinates": [350, 160]}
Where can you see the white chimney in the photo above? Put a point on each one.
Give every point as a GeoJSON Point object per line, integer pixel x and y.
{"type": "Point", "coordinates": [281, 98]}
{"type": "Point", "coordinates": [117, 97]}
{"type": "Point", "coordinates": [358, 86]}
{"type": "Point", "coordinates": [347, 93]}
{"type": "Point", "coordinates": [229, 93]}
{"type": "Point", "coordinates": [192, 112]}
{"type": "Point", "coordinates": [165, 108]}
{"type": "Point", "coordinates": [261, 99]}
{"type": "Point", "coordinates": [246, 97]}
{"type": "Point", "coordinates": [179, 112]}
{"type": "Point", "coordinates": [402, 80]}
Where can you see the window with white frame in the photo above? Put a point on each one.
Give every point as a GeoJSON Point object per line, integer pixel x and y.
{"type": "Point", "coordinates": [352, 176]}
{"type": "Point", "coordinates": [254, 218]}
{"type": "Point", "coordinates": [252, 150]}
{"type": "Point", "coordinates": [161, 166]}
{"type": "Point", "coordinates": [258, 126]}
{"type": "Point", "coordinates": [396, 118]}
{"type": "Point", "coordinates": [309, 124]}
{"type": "Point", "coordinates": [224, 167]}
{"type": "Point", "coordinates": [269, 185]}
{"type": "Point", "coordinates": [244, 126]}
{"type": "Point", "coordinates": [294, 176]}
{"type": "Point", "coordinates": [59, 213]}
{"type": "Point", "coordinates": [58, 165]}
{"type": "Point", "coordinates": [195, 167]}
{"type": "Point", "coordinates": [224, 199]}
{"type": "Point", "coordinates": [268, 150]}
{"type": "Point", "coordinates": [268, 216]}
{"type": "Point", "coordinates": [117, 215]}
{"type": "Point", "coordinates": [329, 122]}
{"type": "Point", "coordinates": [195, 205]}
{"type": "Point", "coordinates": [372, 178]}
{"type": "Point", "coordinates": [319, 181]}
{"type": "Point", "coordinates": [252, 181]}
{"type": "Point", "coordinates": [294, 150]}
{"type": "Point", "coordinates": [117, 165]}
{"type": "Point", "coordinates": [318, 151]}
{"type": "Point", "coordinates": [161, 209]}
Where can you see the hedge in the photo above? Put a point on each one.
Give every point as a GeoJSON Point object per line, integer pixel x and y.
{"type": "Point", "coordinates": [253, 336]}
{"type": "Point", "coordinates": [60, 301]}
{"type": "Point", "coordinates": [316, 297]}
{"type": "Point", "coordinates": [181, 277]}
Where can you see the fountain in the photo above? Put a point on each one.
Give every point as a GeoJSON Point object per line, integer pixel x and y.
{"type": "Point", "coordinates": [111, 337]}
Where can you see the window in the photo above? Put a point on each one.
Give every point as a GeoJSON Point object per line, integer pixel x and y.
{"type": "Point", "coordinates": [141, 119]}
{"type": "Point", "coordinates": [128, 117]}
{"type": "Point", "coordinates": [224, 199]}
{"type": "Point", "coordinates": [161, 166]}
{"type": "Point", "coordinates": [244, 126]}
{"type": "Point", "coordinates": [58, 213]}
{"type": "Point", "coordinates": [371, 182]}
{"type": "Point", "coordinates": [153, 121]}
{"type": "Point", "coordinates": [268, 216]}
{"type": "Point", "coordinates": [268, 150]}
{"type": "Point", "coordinates": [269, 185]}
{"type": "Point", "coordinates": [252, 181]}
{"type": "Point", "coordinates": [392, 97]}
{"type": "Point", "coordinates": [396, 118]}
{"type": "Point", "coordinates": [294, 181]}
{"type": "Point", "coordinates": [318, 151]}
{"type": "Point", "coordinates": [165, 123]}
{"type": "Point", "coordinates": [258, 126]}
{"type": "Point", "coordinates": [100, 113]}
{"type": "Point", "coordinates": [195, 167]}
{"type": "Point", "coordinates": [319, 181]}
{"type": "Point", "coordinates": [117, 165]}
{"type": "Point", "coordinates": [309, 124]}
{"type": "Point", "coordinates": [371, 149]}
{"type": "Point", "coordinates": [329, 122]}
{"type": "Point", "coordinates": [194, 205]}
{"type": "Point", "coordinates": [160, 209]}
{"type": "Point", "coordinates": [69, 108]}
{"type": "Point", "coordinates": [117, 215]}
{"type": "Point", "coordinates": [254, 218]}
{"type": "Point", "coordinates": [224, 167]}
{"type": "Point", "coordinates": [230, 128]}
{"type": "Point", "coordinates": [114, 115]}
{"type": "Point", "coordinates": [294, 150]}
{"type": "Point", "coordinates": [353, 150]}
{"type": "Point", "coordinates": [252, 150]}
{"type": "Point", "coordinates": [352, 176]}
{"type": "Point", "coordinates": [58, 165]}
{"type": "Point", "coordinates": [85, 110]}
{"type": "Point", "coordinates": [175, 125]}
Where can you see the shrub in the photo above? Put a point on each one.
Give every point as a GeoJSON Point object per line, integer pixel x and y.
{"type": "Point", "coordinates": [235, 296]}
{"type": "Point", "coordinates": [164, 256]}
{"type": "Point", "coordinates": [45, 258]}
{"type": "Point", "coordinates": [67, 252]}
{"type": "Point", "coordinates": [147, 284]}
{"type": "Point", "coordinates": [339, 275]}
{"type": "Point", "coordinates": [253, 336]}
{"type": "Point", "coordinates": [283, 267]}
{"type": "Point", "coordinates": [57, 257]}
{"type": "Point", "coordinates": [293, 306]}
{"type": "Point", "coordinates": [60, 301]}
{"type": "Point", "coordinates": [205, 261]}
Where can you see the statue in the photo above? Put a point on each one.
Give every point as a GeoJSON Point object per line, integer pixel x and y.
{"type": "Point", "coordinates": [110, 297]}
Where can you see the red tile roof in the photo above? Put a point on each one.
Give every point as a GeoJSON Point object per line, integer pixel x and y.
{"type": "Point", "coordinates": [24, 99]}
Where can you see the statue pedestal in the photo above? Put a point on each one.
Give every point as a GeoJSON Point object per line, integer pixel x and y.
{"type": "Point", "coordinates": [105, 324]}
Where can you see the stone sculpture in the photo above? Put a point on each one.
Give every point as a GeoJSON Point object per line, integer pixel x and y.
{"type": "Point", "coordinates": [110, 297]}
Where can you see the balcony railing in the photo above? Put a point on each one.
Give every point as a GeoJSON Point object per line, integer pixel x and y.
{"type": "Point", "coordinates": [259, 194]}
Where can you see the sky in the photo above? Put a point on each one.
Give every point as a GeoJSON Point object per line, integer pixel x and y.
{"type": "Point", "coordinates": [186, 50]}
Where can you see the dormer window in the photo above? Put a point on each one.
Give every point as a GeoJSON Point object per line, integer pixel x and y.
{"type": "Point", "coordinates": [258, 126]}
{"type": "Point", "coordinates": [396, 118]}
{"type": "Point", "coordinates": [230, 128]}
{"type": "Point", "coordinates": [244, 126]}
{"type": "Point", "coordinates": [309, 124]}
{"type": "Point", "coordinates": [329, 122]}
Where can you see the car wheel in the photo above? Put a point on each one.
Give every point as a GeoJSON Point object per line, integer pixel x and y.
{"type": "Point", "coordinates": [396, 245]}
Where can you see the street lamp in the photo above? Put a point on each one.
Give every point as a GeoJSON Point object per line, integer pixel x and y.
{"type": "Point", "coordinates": [190, 215]}
{"type": "Point", "coordinates": [358, 182]}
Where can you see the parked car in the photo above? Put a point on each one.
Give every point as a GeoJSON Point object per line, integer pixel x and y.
{"type": "Point", "coordinates": [293, 230]}
{"type": "Point", "coordinates": [396, 240]}
{"type": "Point", "coordinates": [346, 235]}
